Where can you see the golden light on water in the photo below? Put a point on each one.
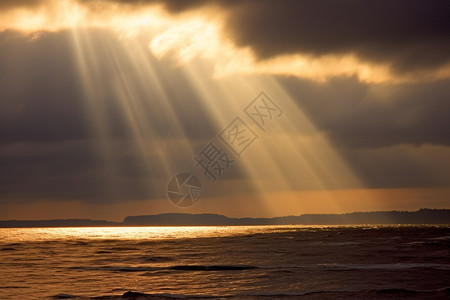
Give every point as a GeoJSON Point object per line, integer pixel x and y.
{"type": "Point", "coordinates": [17, 235]}
{"type": "Point", "coordinates": [219, 262]}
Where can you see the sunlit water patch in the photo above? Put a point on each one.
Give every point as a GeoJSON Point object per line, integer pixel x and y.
{"type": "Point", "coordinates": [237, 261]}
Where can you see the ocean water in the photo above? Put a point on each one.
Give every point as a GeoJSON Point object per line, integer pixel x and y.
{"type": "Point", "coordinates": [234, 262]}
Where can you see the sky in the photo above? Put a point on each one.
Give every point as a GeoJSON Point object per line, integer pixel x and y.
{"type": "Point", "coordinates": [310, 107]}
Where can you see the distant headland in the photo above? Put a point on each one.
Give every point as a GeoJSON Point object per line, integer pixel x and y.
{"type": "Point", "coordinates": [422, 216]}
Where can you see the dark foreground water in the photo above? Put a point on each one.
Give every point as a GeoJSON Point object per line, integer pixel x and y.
{"type": "Point", "coordinates": [376, 262]}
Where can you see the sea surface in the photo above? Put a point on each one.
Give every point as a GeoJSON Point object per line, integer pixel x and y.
{"type": "Point", "coordinates": [232, 262]}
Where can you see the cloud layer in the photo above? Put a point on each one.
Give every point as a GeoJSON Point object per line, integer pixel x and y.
{"type": "Point", "coordinates": [378, 41]}
{"type": "Point", "coordinates": [406, 35]}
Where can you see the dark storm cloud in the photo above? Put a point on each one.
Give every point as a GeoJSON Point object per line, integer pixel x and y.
{"type": "Point", "coordinates": [406, 34]}
{"type": "Point", "coordinates": [360, 115]}
{"type": "Point", "coordinates": [410, 34]}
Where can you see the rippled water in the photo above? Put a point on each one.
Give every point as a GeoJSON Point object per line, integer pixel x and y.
{"type": "Point", "coordinates": [244, 262]}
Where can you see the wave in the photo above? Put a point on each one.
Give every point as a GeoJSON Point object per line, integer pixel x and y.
{"type": "Point", "coordinates": [440, 238]}
{"type": "Point", "coordinates": [395, 266]}
{"type": "Point", "coordinates": [212, 268]}
{"type": "Point", "coordinates": [335, 266]}
{"type": "Point", "coordinates": [342, 243]}
{"type": "Point", "coordinates": [14, 287]}
{"type": "Point", "coordinates": [175, 267]}
{"type": "Point", "coordinates": [8, 249]}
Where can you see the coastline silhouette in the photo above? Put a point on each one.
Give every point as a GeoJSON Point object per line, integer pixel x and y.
{"type": "Point", "coordinates": [422, 216]}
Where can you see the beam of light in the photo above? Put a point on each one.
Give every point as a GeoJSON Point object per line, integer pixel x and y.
{"type": "Point", "coordinates": [133, 95]}
{"type": "Point", "coordinates": [134, 92]}
{"type": "Point", "coordinates": [86, 62]}
{"type": "Point", "coordinates": [294, 157]}
{"type": "Point", "coordinates": [295, 152]}
{"type": "Point", "coordinates": [311, 159]}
